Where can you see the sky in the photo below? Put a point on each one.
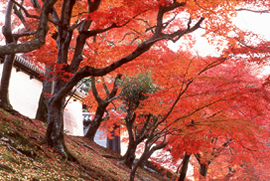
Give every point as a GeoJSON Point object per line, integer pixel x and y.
{"type": "Point", "coordinates": [245, 20]}
{"type": "Point", "coordinates": [258, 23]}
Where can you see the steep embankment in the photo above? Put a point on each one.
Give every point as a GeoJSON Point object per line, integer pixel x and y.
{"type": "Point", "coordinates": [23, 157]}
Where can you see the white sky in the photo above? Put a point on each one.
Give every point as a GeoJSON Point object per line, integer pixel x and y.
{"type": "Point", "coordinates": [245, 20]}
{"type": "Point", "coordinates": [255, 22]}
{"type": "Point", "coordinates": [258, 23]}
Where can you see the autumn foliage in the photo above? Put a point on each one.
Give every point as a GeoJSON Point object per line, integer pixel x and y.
{"type": "Point", "coordinates": [214, 110]}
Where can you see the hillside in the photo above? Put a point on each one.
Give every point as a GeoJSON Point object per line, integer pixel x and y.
{"type": "Point", "coordinates": [23, 157]}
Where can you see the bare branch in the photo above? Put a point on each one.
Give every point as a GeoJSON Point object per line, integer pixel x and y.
{"type": "Point", "coordinates": [115, 86]}
{"type": "Point", "coordinates": [162, 11]}
{"type": "Point", "coordinates": [17, 36]}
{"type": "Point", "coordinates": [37, 17]}
{"type": "Point", "coordinates": [105, 87]}
{"type": "Point", "coordinates": [254, 11]}
{"type": "Point", "coordinates": [168, 22]}
{"type": "Point", "coordinates": [111, 99]}
{"type": "Point", "coordinates": [113, 25]}
{"type": "Point", "coordinates": [39, 39]}
{"type": "Point", "coordinates": [198, 157]}
{"type": "Point", "coordinates": [19, 14]}
{"type": "Point", "coordinates": [94, 90]}
{"type": "Point", "coordinates": [134, 39]}
{"type": "Point", "coordinates": [151, 28]}
{"type": "Point", "coordinates": [130, 33]}
{"type": "Point", "coordinates": [111, 43]}
{"type": "Point", "coordinates": [213, 64]}
{"type": "Point", "coordinates": [178, 34]}
{"type": "Point", "coordinates": [72, 93]}
{"type": "Point", "coordinates": [25, 11]}
{"type": "Point", "coordinates": [203, 7]}
{"type": "Point", "coordinates": [6, 29]}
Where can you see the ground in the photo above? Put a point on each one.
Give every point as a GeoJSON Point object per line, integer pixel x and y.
{"type": "Point", "coordinates": [24, 157]}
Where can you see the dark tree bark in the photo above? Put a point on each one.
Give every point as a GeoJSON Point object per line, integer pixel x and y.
{"type": "Point", "coordinates": [114, 143]}
{"type": "Point", "coordinates": [203, 169]}
{"type": "Point", "coordinates": [130, 153]}
{"type": "Point", "coordinates": [203, 165]}
{"type": "Point", "coordinates": [40, 36]}
{"type": "Point", "coordinates": [129, 156]}
{"type": "Point", "coordinates": [42, 112]}
{"type": "Point", "coordinates": [9, 58]}
{"type": "Point", "coordinates": [54, 135]}
{"type": "Point", "coordinates": [8, 62]}
{"type": "Point", "coordinates": [133, 142]}
{"type": "Point", "coordinates": [102, 105]}
{"type": "Point", "coordinates": [94, 125]}
{"type": "Point", "coordinates": [148, 151]}
{"type": "Point", "coordinates": [5, 80]}
{"type": "Point", "coordinates": [215, 153]}
{"type": "Point", "coordinates": [184, 168]}
{"type": "Point", "coordinates": [136, 136]}
{"type": "Point", "coordinates": [55, 132]}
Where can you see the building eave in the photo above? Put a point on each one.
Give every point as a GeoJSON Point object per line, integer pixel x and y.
{"type": "Point", "coordinates": [25, 66]}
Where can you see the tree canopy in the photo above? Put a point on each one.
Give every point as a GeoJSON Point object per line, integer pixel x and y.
{"type": "Point", "coordinates": [196, 105]}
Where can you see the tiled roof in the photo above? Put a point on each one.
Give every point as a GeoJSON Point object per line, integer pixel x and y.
{"type": "Point", "coordinates": [24, 65]}
{"type": "Point", "coordinates": [34, 71]}
{"type": "Point", "coordinates": [27, 64]}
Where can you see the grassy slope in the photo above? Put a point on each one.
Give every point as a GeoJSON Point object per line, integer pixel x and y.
{"type": "Point", "coordinates": [23, 157]}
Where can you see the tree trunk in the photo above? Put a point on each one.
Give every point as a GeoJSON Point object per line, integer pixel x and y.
{"type": "Point", "coordinates": [129, 156]}
{"type": "Point", "coordinates": [55, 131]}
{"type": "Point", "coordinates": [42, 112]}
{"type": "Point", "coordinates": [132, 144]}
{"type": "Point", "coordinates": [143, 157]}
{"type": "Point", "coordinates": [102, 105]}
{"type": "Point", "coordinates": [55, 134]}
{"type": "Point", "coordinates": [203, 169]}
{"type": "Point", "coordinates": [146, 154]}
{"type": "Point", "coordinates": [92, 130]}
{"type": "Point", "coordinates": [5, 80]}
{"type": "Point", "coordinates": [94, 125]}
{"type": "Point", "coordinates": [9, 60]}
{"type": "Point", "coordinates": [114, 144]}
{"type": "Point", "coordinates": [184, 168]}
{"type": "Point", "coordinates": [149, 149]}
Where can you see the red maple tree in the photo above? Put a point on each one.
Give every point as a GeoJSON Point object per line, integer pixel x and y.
{"type": "Point", "coordinates": [98, 37]}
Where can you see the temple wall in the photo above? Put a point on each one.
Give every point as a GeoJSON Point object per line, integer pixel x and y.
{"type": "Point", "coordinates": [73, 122]}
{"type": "Point", "coordinates": [24, 93]}
{"type": "Point", "coordinates": [24, 96]}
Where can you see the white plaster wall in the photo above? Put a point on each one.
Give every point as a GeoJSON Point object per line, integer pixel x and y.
{"type": "Point", "coordinates": [24, 96]}
{"type": "Point", "coordinates": [24, 92]}
{"type": "Point", "coordinates": [99, 138]}
{"type": "Point", "coordinates": [73, 119]}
